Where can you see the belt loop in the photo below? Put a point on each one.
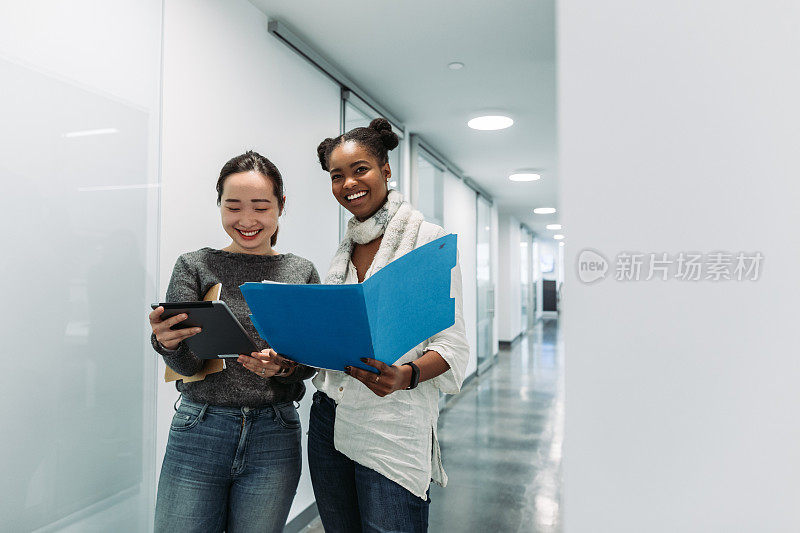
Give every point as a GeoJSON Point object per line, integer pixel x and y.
{"type": "Point", "coordinates": [202, 414]}
{"type": "Point", "coordinates": [175, 405]}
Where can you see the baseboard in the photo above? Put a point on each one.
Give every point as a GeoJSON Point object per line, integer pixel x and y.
{"type": "Point", "coordinates": [469, 379]}
{"type": "Point", "coordinates": [505, 345]}
{"type": "Point", "coordinates": [299, 522]}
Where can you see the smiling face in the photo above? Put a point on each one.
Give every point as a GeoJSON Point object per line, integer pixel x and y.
{"type": "Point", "coordinates": [358, 180]}
{"type": "Point", "coordinates": [250, 212]}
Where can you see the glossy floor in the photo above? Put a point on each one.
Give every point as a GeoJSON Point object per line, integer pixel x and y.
{"type": "Point", "coordinates": [501, 441]}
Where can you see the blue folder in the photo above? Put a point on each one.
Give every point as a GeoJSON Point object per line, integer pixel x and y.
{"type": "Point", "coordinates": [331, 326]}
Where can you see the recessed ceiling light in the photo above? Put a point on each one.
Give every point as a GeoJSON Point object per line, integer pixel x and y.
{"type": "Point", "coordinates": [558, 237]}
{"type": "Point", "coordinates": [544, 210]}
{"type": "Point", "coordinates": [490, 122]}
{"type": "Point", "coordinates": [455, 65]}
{"type": "Point", "coordinates": [553, 226]}
{"type": "Point", "coordinates": [86, 133]}
{"type": "Point", "coordinates": [524, 176]}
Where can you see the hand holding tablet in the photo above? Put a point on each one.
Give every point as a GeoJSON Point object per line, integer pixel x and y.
{"type": "Point", "coordinates": [165, 331]}
{"type": "Point", "coordinates": [210, 330]}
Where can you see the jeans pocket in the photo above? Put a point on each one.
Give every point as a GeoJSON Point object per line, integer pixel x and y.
{"type": "Point", "coordinates": [186, 417]}
{"type": "Point", "coordinates": [286, 415]}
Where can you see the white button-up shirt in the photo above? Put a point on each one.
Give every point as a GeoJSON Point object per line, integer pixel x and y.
{"type": "Point", "coordinates": [397, 435]}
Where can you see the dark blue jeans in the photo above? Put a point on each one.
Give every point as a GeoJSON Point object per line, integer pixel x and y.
{"type": "Point", "coordinates": [351, 497]}
{"type": "Point", "coordinates": [229, 469]}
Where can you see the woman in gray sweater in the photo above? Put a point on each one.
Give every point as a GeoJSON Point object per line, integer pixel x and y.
{"type": "Point", "coordinates": [233, 457]}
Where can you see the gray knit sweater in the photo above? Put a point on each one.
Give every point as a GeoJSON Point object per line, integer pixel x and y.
{"type": "Point", "coordinates": [194, 274]}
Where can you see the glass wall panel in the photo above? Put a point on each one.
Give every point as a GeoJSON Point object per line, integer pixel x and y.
{"type": "Point", "coordinates": [524, 282]}
{"type": "Point", "coordinates": [537, 284]}
{"type": "Point", "coordinates": [429, 198]}
{"type": "Point", "coordinates": [79, 167]}
{"type": "Point", "coordinates": [485, 296]}
{"type": "Point", "coordinates": [527, 286]}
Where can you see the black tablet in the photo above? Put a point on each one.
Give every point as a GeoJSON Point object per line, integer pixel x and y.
{"type": "Point", "coordinates": [222, 335]}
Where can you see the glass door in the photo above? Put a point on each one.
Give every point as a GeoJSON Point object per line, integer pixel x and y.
{"type": "Point", "coordinates": [428, 194]}
{"type": "Point", "coordinates": [524, 282]}
{"type": "Point", "coordinates": [485, 296]}
{"type": "Point", "coordinates": [528, 287]}
{"type": "Point", "coordinates": [537, 284]}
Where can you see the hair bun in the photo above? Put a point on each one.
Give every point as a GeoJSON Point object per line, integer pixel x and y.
{"type": "Point", "coordinates": [389, 139]}
{"type": "Point", "coordinates": [380, 124]}
{"type": "Point", "coordinates": [322, 153]}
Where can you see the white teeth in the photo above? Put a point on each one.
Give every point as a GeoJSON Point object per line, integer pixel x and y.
{"type": "Point", "coordinates": [249, 233]}
{"type": "Point", "coordinates": [356, 195]}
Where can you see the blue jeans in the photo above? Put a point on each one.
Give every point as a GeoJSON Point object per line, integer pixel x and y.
{"type": "Point", "coordinates": [351, 497]}
{"type": "Point", "coordinates": [229, 469]}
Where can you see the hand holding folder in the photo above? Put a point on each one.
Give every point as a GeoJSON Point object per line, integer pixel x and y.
{"type": "Point", "coordinates": [332, 326]}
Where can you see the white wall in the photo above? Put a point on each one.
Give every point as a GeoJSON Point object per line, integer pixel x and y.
{"type": "Point", "coordinates": [460, 217]}
{"type": "Point", "coordinates": [79, 218]}
{"type": "Point", "coordinates": [679, 133]}
{"type": "Point", "coordinates": [229, 86]}
{"type": "Point", "coordinates": [509, 297]}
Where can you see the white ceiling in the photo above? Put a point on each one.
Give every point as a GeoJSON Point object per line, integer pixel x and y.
{"type": "Point", "coordinates": [398, 53]}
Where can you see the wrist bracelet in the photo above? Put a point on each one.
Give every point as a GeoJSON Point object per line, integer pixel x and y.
{"type": "Point", "coordinates": [414, 375]}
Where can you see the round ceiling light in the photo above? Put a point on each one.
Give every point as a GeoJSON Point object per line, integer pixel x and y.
{"type": "Point", "coordinates": [490, 122]}
{"type": "Point", "coordinates": [524, 176]}
{"type": "Point", "coordinates": [553, 226]}
{"type": "Point", "coordinates": [544, 210]}
{"type": "Point", "coordinates": [558, 237]}
{"type": "Point", "coordinates": [455, 65]}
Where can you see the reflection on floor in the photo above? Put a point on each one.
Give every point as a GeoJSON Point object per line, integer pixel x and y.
{"type": "Point", "coordinates": [501, 441]}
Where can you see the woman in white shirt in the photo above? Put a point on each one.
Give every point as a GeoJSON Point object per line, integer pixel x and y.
{"type": "Point", "coordinates": [372, 443]}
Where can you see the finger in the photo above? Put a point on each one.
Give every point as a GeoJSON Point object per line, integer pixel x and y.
{"type": "Point", "coordinates": [155, 315]}
{"type": "Point", "coordinates": [263, 357]}
{"type": "Point", "coordinates": [368, 380]}
{"type": "Point", "coordinates": [188, 332]}
{"type": "Point", "coordinates": [251, 365]}
{"type": "Point", "coordinates": [256, 364]}
{"type": "Point", "coordinates": [166, 324]}
{"type": "Point", "coordinates": [364, 376]}
{"type": "Point", "coordinates": [246, 359]}
{"type": "Point", "coordinates": [380, 365]}
{"type": "Point", "coordinates": [175, 320]}
{"type": "Point", "coordinates": [176, 335]}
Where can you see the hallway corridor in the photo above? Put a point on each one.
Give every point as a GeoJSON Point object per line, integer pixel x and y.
{"type": "Point", "coordinates": [501, 440]}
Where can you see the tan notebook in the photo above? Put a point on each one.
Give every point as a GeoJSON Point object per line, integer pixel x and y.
{"type": "Point", "coordinates": [210, 366]}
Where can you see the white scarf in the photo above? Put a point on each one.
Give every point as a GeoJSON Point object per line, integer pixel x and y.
{"type": "Point", "coordinates": [396, 220]}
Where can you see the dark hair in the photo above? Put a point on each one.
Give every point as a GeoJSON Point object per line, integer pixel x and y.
{"type": "Point", "coordinates": [378, 139]}
{"type": "Point", "coordinates": [253, 161]}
